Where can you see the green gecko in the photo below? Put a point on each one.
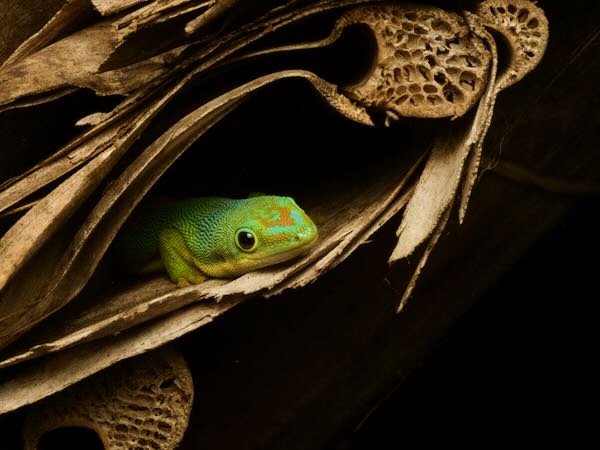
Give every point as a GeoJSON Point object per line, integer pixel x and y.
{"type": "Point", "coordinates": [204, 237]}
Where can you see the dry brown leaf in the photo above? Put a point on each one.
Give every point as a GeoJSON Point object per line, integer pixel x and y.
{"type": "Point", "coordinates": [441, 71]}
{"type": "Point", "coordinates": [431, 243]}
{"type": "Point", "coordinates": [67, 19]}
{"type": "Point", "coordinates": [66, 368]}
{"type": "Point", "coordinates": [20, 307]}
{"type": "Point", "coordinates": [25, 303]}
{"type": "Point", "coordinates": [483, 118]}
{"type": "Point", "coordinates": [11, 194]}
{"type": "Point", "coordinates": [427, 212]}
{"type": "Point", "coordinates": [44, 219]}
{"type": "Point", "coordinates": [343, 230]}
{"type": "Point", "coordinates": [434, 192]}
{"type": "Point", "coordinates": [525, 28]}
{"type": "Point", "coordinates": [74, 154]}
{"type": "Point", "coordinates": [216, 11]}
{"type": "Point", "coordinates": [76, 62]}
{"type": "Point", "coordinates": [152, 313]}
{"type": "Point", "coordinates": [159, 12]}
{"type": "Point", "coordinates": [444, 171]}
{"type": "Point", "coordinates": [63, 64]}
{"type": "Point", "coordinates": [18, 24]}
{"type": "Point", "coordinates": [21, 188]}
{"type": "Point", "coordinates": [110, 7]}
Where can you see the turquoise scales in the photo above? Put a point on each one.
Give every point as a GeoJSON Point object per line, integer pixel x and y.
{"type": "Point", "coordinates": [215, 237]}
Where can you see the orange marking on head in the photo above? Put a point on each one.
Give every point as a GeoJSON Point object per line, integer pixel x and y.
{"type": "Point", "coordinates": [284, 220]}
{"type": "Point", "coordinates": [281, 237]}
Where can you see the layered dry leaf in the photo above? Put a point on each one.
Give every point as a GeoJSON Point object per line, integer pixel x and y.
{"type": "Point", "coordinates": [49, 258]}
{"type": "Point", "coordinates": [52, 375]}
{"type": "Point", "coordinates": [24, 302]}
{"type": "Point", "coordinates": [29, 299]}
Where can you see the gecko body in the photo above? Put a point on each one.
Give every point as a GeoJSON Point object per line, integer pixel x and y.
{"type": "Point", "coordinates": [203, 237]}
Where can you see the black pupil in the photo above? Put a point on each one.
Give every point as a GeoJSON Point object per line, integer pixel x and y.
{"type": "Point", "coordinates": [246, 240]}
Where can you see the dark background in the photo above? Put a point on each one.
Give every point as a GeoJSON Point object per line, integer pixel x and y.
{"type": "Point", "coordinates": [516, 370]}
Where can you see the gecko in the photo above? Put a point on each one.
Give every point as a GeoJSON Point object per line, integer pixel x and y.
{"type": "Point", "coordinates": [213, 237]}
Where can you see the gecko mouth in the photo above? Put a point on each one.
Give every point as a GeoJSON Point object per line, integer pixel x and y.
{"type": "Point", "coordinates": [307, 239]}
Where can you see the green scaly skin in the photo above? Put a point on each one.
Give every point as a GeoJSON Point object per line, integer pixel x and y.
{"type": "Point", "coordinates": [205, 237]}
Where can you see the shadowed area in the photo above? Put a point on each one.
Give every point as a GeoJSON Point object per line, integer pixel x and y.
{"type": "Point", "coordinates": [68, 438]}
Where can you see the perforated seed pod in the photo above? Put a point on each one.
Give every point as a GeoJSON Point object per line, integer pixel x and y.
{"type": "Point", "coordinates": [428, 63]}
{"type": "Point", "coordinates": [525, 28]}
{"type": "Point", "coordinates": [142, 403]}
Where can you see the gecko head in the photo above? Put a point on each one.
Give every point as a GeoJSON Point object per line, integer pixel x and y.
{"type": "Point", "coordinates": [267, 230]}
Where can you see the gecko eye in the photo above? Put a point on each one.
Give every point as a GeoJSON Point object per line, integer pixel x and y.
{"type": "Point", "coordinates": [246, 240]}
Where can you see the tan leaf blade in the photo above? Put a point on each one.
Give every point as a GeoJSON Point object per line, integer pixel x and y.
{"type": "Point", "coordinates": [109, 7]}
{"type": "Point", "coordinates": [433, 239]}
{"type": "Point", "coordinates": [78, 363]}
{"type": "Point", "coordinates": [434, 192]}
{"type": "Point", "coordinates": [67, 19]}
{"type": "Point", "coordinates": [65, 63]}
{"type": "Point", "coordinates": [105, 327]}
{"type": "Point", "coordinates": [49, 171]}
{"type": "Point", "coordinates": [20, 313]}
{"type": "Point", "coordinates": [483, 117]}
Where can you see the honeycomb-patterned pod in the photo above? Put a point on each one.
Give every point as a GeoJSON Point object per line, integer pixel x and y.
{"type": "Point", "coordinates": [142, 403]}
{"type": "Point", "coordinates": [428, 63]}
{"type": "Point", "coordinates": [525, 28]}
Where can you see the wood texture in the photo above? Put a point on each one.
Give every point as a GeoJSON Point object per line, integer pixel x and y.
{"type": "Point", "coordinates": [297, 369]}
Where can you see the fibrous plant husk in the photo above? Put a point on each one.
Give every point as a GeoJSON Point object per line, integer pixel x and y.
{"type": "Point", "coordinates": [428, 63]}
{"type": "Point", "coordinates": [142, 403]}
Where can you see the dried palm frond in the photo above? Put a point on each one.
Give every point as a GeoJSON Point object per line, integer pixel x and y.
{"type": "Point", "coordinates": [426, 63]}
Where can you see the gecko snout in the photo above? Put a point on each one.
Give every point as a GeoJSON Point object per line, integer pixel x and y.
{"type": "Point", "coordinates": [306, 235]}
